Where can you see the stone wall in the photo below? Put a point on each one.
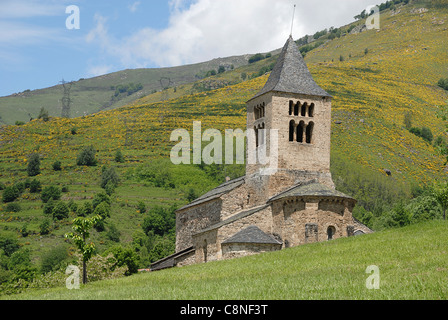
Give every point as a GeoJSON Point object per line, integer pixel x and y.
{"type": "Point", "coordinates": [300, 221]}
{"type": "Point", "coordinates": [208, 244]}
{"type": "Point", "coordinates": [194, 219]}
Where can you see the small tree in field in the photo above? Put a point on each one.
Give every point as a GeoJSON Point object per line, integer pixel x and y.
{"type": "Point", "coordinates": [81, 227]}
{"type": "Point", "coordinates": [440, 193]}
{"type": "Point", "coordinates": [33, 168]}
{"type": "Point", "coordinates": [87, 157]}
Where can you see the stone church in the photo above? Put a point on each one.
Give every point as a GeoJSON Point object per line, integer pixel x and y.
{"type": "Point", "coordinates": [296, 205]}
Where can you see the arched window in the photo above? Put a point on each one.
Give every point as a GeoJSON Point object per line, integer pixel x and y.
{"type": "Point", "coordinates": [296, 109]}
{"type": "Point", "coordinates": [291, 107]}
{"type": "Point", "coordinates": [257, 143]}
{"type": "Point", "coordinates": [304, 106]}
{"type": "Point", "coordinates": [300, 129]}
{"type": "Point", "coordinates": [311, 110]}
{"type": "Point", "coordinates": [309, 132]}
{"type": "Point", "coordinates": [330, 232]}
{"type": "Point", "coordinates": [204, 248]}
{"type": "Point", "coordinates": [292, 124]}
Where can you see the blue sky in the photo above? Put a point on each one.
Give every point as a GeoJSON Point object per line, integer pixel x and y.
{"type": "Point", "coordinates": [37, 50]}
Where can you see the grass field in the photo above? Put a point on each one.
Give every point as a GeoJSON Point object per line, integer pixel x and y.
{"type": "Point", "coordinates": [412, 262]}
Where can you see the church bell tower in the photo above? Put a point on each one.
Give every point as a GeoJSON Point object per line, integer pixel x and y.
{"type": "Point", "coordinates": [292, 104]}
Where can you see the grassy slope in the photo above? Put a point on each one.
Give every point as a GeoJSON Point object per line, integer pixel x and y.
{"type": "Point", "coordinates": [411, 261]}
{"type": "Point", "coordinates": [377, 88]}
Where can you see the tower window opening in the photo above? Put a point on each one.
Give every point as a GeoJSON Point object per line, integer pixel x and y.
{"type": "Point", "coordinates": [311, 110]}
{"type": "Point", "coordinates": [291, 130]}
{"type": "Point", "coordinates": [296, 109]}
{"type": "Point", "coordinates": [309, 132]}
{"type": "Point", "coordinates": [303, 111]}
{"type": "Point", "coordinates": [291, 107]}
{"type": "Point", "coordinates": [300, 130]}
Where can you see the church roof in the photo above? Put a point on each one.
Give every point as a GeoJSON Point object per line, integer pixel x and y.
{"type": "Point", "coordinates": [291, 75]}
{"type": "Point", "coordinates": [310, 189]}
{"type": "Point", "coordinates": [216, 193]}
{"type": "Point", "coordinates": [251, 234]}
{"type": "Point", "coordinates": [236, 217]}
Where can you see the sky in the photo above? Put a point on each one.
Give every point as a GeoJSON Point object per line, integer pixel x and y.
{"type": "Point", "coordinates": [45, 41]}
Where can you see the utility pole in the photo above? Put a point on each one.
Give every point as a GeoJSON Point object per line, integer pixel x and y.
{"type": "Point", "coordinates": [165, 83]}
{"type": "Point", "coordinates": [66, 101]}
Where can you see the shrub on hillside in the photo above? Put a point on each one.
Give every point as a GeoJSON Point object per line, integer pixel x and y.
{"type": "Point", "coordinates": [35, 186]}
{"type": "Point", "coordinates": [51, 192]}
{"type": "Point", "coordinates": [33, 167]}
{"type": "Point", "coordinates": [57, 166]}
{"type": "Point", "coordinates": [10, 194]}
{"type": "Point", "coordinates": [87, 157]}
{"type": "Point", "coordinates": [443, 83]}
{"type": "Point", "coordinates": [13, 207]}
{"type": "Point", "coordinates": [109, 175]}
{"type": "Point", "coordinates": [60, 211]}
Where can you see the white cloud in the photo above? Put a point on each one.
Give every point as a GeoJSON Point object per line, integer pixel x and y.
{"type": "Point", "coordinates": [96, 71]}
{"type": "Point", "coordinates": [205, 29]}
{"type": "Point", "coordinates": [133, 8]}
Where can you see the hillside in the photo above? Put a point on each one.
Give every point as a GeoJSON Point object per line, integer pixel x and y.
{"type": "Point", "coordinates": [373, 91]}
{"type": "Point", "coordinates": [95, 94]}
{"type": "Point", "coordinates": [333, 270]}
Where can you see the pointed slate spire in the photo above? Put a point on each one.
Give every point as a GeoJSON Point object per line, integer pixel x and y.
{"type": "Point", "coordinates": [291, 75]}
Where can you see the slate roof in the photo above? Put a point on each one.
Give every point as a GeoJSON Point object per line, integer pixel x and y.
{"type": "Point", "coordinates": [252, 234]}
{"type": "Point", "coordinates": [234, 218]}
{"type": "Point", "coordinates": [291, 75]}
{"type": "Point", "coordinates": [309, 189]}
{"type": "Point", "coordinates": [217, 192]}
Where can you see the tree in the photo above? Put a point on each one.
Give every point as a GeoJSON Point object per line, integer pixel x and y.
{"type": "Point", "coordinates": [43, 114]}
{"type": "Point", "coordinates": [87, 157]}
{"type": "Point", "coordinates": [109, 175]}
{"type": "Point", "coordinates": [81, 227]}
{"type": "Point", "coordinates": [440, 193]}
{"type": "Point", "coordinates": [51, 192]}
{"type": "Point", "coordinates": [33, 168]}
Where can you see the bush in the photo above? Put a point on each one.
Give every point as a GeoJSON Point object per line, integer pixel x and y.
{"type": "Point", "coordinates": [113, 234]}
{"type": "Point", "coordinates": [49, 206]}
{"type": "Point", "coordinates": [103, 210]}
{"type": "Point", "coordinates": [51, 192]}
{"type": "Point", "coordinates": [9, 245]}
{"type": "Point", "coordinates": [60, 211]}
{"type": "Point", "coordinates": [119, 157]}
{"type": "Point", "coordinates": [141, 207]}
{"type": "Point", "coordinates": [109, 175]}
{"type": "Point", "coordinates": [44, 227]}
{"type": "Point", "coordinates": [33, 168]}
{"type": "Point", "coordinates": [35, 186]}
{"type": "Point", "coordinates": [99, 198]}
{"type": "Point", "coordinates": [424, 133]}
{"type": "Point", "coordinates": [87, 157]}
{"type": "Point", "coordinates": [443, 83]}
{"type": "Point", "coordinates": [256, 58]}
{"type": "Point", "coordinates": [10, 194]}
{"type": "Point", "coordinates": [53, 259]}
{"type": "Point", "coordinates": [13, 207]}
{"type": "Point", "coordinates": [43, 114]}
{"type": "Point", "coordinates": [57, 166]}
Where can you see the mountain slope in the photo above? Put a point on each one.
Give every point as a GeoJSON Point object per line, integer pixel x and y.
{"type": "Point", "coordinates": [94, 94]}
